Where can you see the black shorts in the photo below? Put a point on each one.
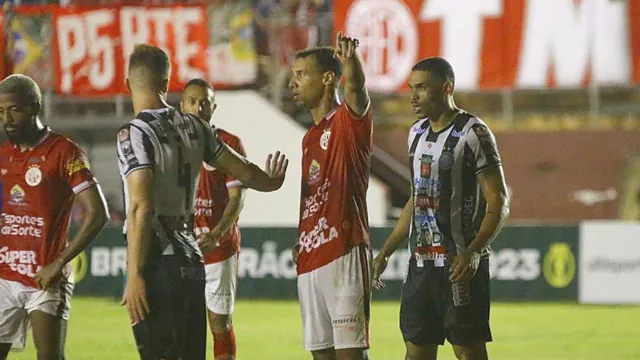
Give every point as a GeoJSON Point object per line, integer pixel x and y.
{"type": "Point", "coordinates": [428, 311]}
{"type": "Point", "coordinates": [176, 326]}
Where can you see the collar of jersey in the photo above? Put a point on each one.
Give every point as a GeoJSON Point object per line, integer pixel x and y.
{"type": "Point", "coordinates": [46, 135]}
{"type": "Point", "coordinates": [328, 116]}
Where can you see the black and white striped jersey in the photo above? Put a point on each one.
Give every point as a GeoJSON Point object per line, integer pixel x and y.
{"type": "Point", "coordinates": [448, 202]}
{"type": "Point", "coordinates": [174, 145]}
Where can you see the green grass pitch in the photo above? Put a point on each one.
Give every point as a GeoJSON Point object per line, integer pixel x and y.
{"type": "Point", "coordinates": [98, 329]}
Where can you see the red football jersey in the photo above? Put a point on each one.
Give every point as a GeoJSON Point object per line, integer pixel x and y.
{"type": "Point", "coordinates": [39, 186]}
{"type": "Point", "coordinates": [212, 196]}
{"type": "Point", "coordinates": [336, 162]}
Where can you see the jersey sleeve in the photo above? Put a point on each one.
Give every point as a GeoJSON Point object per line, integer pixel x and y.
{"type": "Point", "coordinates": [213, 146]}
{"type": "Point", "coordinates": [237, 146]}
{"type": "Point", "coordinates": [360, 129]}
{"type": "Point", "coordinates": [484, 147]}
{"type": "Point", "coordinates": [75, 170]}
{"type": "Point", "coordinates": [135, 150]}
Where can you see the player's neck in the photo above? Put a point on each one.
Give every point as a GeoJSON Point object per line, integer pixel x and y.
{"type": "Point", "coordinates": [327, 104]}
{"type": "Point", "coordinates": [143, 102]}
{"type": "Point", "coordinates": [446, 116]}
{"type": "Point", "coordinates": [34, 137]}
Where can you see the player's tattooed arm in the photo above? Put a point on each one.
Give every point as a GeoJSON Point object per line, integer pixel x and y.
{"type": "Point", "coordinates": [355, 91]}
{"type": "Point", "coordinates": [94, 217]}
{"type": "Point", "coordinates": [139, 218]}
{"type": "Point", "coordinates": [496, 195]}
{"type": "Point", "coordinates": [494, 189]}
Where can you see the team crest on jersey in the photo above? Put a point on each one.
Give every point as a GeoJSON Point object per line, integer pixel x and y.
{"type": "Point", "coordinates": [324, 139]}
{"type": "Point", "coordinates": [33, 177]}
{"type": "Point", "coordinates": [314, 172]}
{"type": "Point", "coordinates": [16, 195]}
{"type": "Point", "coordinates": [123, 135]}
{"type": "Point", "coordinates": [446, 161]}
{"type": "Point", "coordinates": [3, 172]}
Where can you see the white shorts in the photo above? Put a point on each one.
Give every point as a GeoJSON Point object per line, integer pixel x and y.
{"type": "Point", "coordinates": [335, 302]}
{"type": "Point", "coordinates": [222, 281]}
{"type": "Point", "coordinates": [17, 301]}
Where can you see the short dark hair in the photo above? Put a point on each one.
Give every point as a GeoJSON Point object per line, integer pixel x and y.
{"type": "Point", "coordinates": [437, 66]}
{"type": "Point", "coordinates": [153, 60]}
{"type": "Point", "coordinates": [199, 82]}
{"type": "Point", "coordinates": [324, 58]}
{"type": "Point", "coordinates": [23, 86]}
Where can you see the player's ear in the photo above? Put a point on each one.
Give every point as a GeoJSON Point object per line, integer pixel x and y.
{"type": "Point", "coordinates": [215, 106]}
{"type": "Point", "coordinates": [165, 86]}
{"type": "Point", "coordinates": [126, 82]}
{"type": "Point", "coordinates": [329, 78]}
{"type": "Point", "coordinates": [447, 88]}
{"type": "Point", "coordinates": [182, 105]}
{"type": "Point", "coordinates": [35, 108]}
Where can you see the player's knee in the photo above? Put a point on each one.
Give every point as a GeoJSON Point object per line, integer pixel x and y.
{"type": "Point", "coordinates": [472, 352]}
{"type": "Point", "coordinates": [220, 323]}
{"type": "Point", "coordinates": [352, 354]}
{"type": "Point", "coordinates": [424, 352]}
{"type": "Point", "coordinates": [325, 354]}
{"type": "Point", "coordinates": [50, 355]}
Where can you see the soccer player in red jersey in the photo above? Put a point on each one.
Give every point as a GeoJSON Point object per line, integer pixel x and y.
{"type": "Point", "coordinates": [219, 200]}
{"type": "Point", "coordinates": [42, 173]}
{"type": "Point", "coordinates": [333, 251]}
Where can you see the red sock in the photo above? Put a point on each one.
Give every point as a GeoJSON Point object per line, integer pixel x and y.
{"type": "Point", "coordinates": [224, 345]}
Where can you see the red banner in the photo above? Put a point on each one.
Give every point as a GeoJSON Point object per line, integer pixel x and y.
{"type": "Point", "coordinates": [92, 45]}
{"type": "Point", "coordinates": [4, 49]}
{"type": "Point", "coordinates": [634, 37]}
{"type": "Point", "coordinates": [496, 43]}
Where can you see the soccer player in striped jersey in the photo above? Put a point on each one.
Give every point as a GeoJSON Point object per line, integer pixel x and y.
{"type": "Point", "coordinates": [458, 205]}
{"type": "Point", "coordinates": [219, 200]}
{"type": "Point", "coordinates": [160, 155]}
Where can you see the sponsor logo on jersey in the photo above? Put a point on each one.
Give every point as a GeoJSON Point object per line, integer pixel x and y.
{"type": "Point", "coordinates": [16, 195]}
{"type": "Point", "coordinates": [419, 130]}
{"type": "Point", "coordinates": [3, 171]}
{"type": "Point", "coordinates": [313, 203]}
{"type": "Point", "coordinates": [321, 233]}
{"type": "Point", "coordinates": [203, 207]}
{"type": "Point", "coordinates": [33, 176]}
{"type": "Point", "coordinates": [457, 134]}
{"type": "Point", "coordinates": [324, 139]}
{"type": "Point", "coordinates": [314, 172]}
{"type": "Point", "coordinates": [24, 225]}
{"type": "Point", "coordinates": [21, 261]}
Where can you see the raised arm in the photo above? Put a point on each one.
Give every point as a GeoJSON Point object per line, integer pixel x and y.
{"type": "Point", "coordinates": [355, 91]}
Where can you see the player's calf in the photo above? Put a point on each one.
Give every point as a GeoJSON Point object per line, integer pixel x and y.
{"type": "Point", "coordinates": [4, 351]}
{"type": "Point", "coordinates": [224, 340]}
{"type": "Point", "coordinates": [476, 351]}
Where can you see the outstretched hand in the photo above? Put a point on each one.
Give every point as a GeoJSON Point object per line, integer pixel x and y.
{"type": "Point", "coordinates": [276, 167]}
{"type": "Point", "coordinates": [345, 47]}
